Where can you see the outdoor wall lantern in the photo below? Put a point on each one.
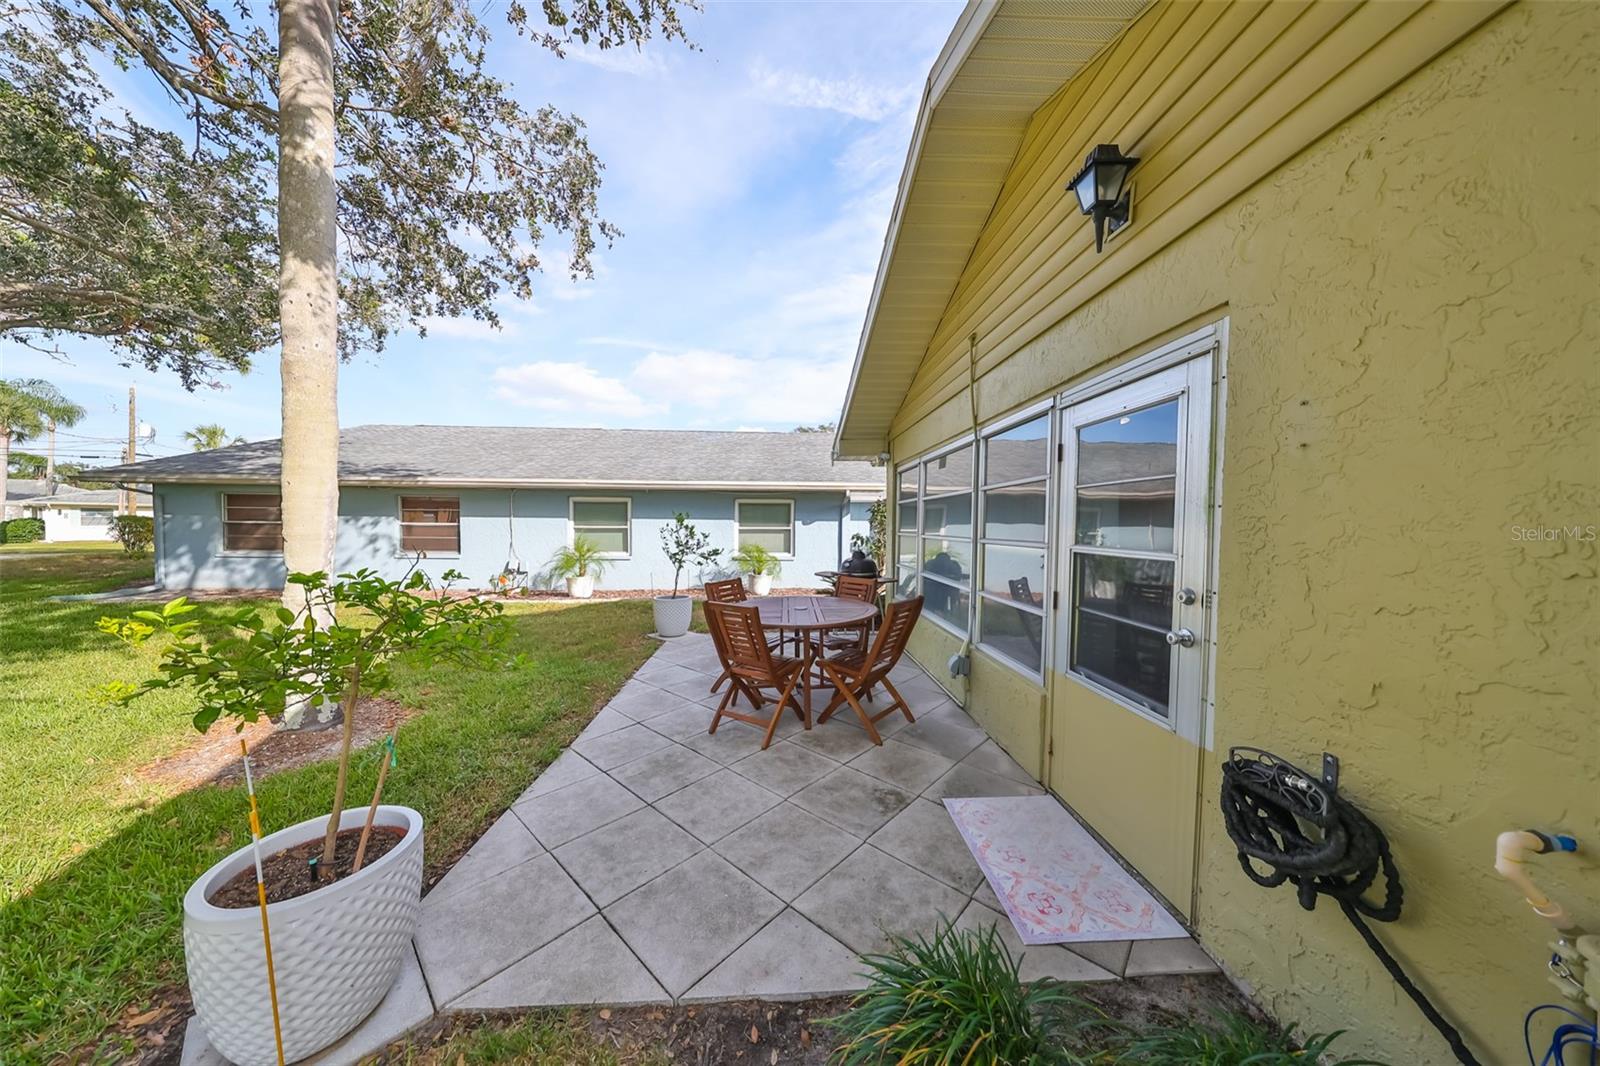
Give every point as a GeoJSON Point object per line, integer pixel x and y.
{"type": "Point", "coordinates": [1103, 192]}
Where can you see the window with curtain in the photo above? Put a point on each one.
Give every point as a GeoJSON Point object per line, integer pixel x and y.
{"type": "Point", "coordinates": [252, 522]}
{"type": "Point", "coordinates": [1014, 543]}
{"type": "Point", "coordinates": [945, 541]}
{"type": "Point", "coordinates": [767, 524]}
{"type": "Point", "coordinates": [606, 522]}
{"type": "Point", "coordinates": [430, 524]}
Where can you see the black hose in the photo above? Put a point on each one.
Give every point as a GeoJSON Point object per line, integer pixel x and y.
{"type": "Point", "coordinates": [1310, 836]}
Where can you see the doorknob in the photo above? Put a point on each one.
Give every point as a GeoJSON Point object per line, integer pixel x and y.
{"type": "Point", "coordinates": [1183, 636]}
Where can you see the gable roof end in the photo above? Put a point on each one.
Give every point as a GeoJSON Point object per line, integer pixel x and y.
{"type": "Point", "coordinates": [1003, 60]}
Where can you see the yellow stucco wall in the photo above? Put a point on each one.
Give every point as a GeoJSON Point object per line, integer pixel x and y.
{"type": "Point", "coordinates": [1414, 309]}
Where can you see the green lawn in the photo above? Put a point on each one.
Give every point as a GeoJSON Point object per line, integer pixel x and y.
{"type": "Point", "coordinates": [90, 546]}
{"type": "Point", "coordinates": [94, 861]}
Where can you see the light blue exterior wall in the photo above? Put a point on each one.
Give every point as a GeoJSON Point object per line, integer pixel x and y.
{"type": "Point", "coordinates": [497, 526]}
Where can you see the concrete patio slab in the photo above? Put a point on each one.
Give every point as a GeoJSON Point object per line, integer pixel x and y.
{"type": "Point", "coordinates": [663, 772]}
{"type": "Point", "coordinates": [833, 740]}
{"type": "Point", "coordinates": [715, 806]}
{"type": "Point", "coordinates": [661, 674]}
{"type": "Point", "coordinates": [787, 850]}
{"type": "Point", "coordinates": [585, 965]}
{"type": "Point", "coordinates": [569, 768]}
{"type": "Point", "coordinates": [731, 742]}
{"type": "Point", "coordinates": [568, 813]}
{"type": "Point", "coordinates": [942, 738]}
{"type": "Point", "coordinates": [902, 765]}
{"type": "Point", "coordinates": [625, 745]}
{"type": "Point", "coordinates": [1167, 957]}
{"type": "Point", "coordinates": [870, 897]}
{"type": "Point", "coordinates": [619, 857]}
{"type": "Point", "coordinates": [607, 721]}
{"type": "Point", "coordinates": [683, 720]}
{"type": "Point", "coordinates": [923, 836]}
{"type": "Point", "coordinates": [469, 936]}
{"type": "Point", "coordinates": [991, 758]}
{"type": "Point", "coordinates": [682, 924]}
{"type": "Point", "coordinates": [784, 768]}
{"type": "Point", "coordinates": [788, 959]}
{"type": "Point", "coordinates": [966, 781]}
{"type": "Point", "coordinates": [508, 843]}
{"type": "Point", "coordinates": [853, 801]}
{"type": "Point", "coordinates": [641, 702]}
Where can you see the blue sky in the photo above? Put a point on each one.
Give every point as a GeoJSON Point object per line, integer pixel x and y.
{"type": "Point", "coordinates": [753, 181]}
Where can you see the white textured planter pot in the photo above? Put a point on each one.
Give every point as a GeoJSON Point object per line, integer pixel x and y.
{"type": "Point", "coordinates": [672, 615]}
{"type": "Point", "coordinates": [580, 588]}
{"type": "Point", "coordinates": [335, 951]}
{"type": "Point", "coordinates": [758, 584]}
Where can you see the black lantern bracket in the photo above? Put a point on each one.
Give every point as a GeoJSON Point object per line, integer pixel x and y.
{"type": "Point", "coordinates": [1103, 191]}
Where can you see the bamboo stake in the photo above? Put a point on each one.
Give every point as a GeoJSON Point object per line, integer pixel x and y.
{"type": "Point", "coordinates": [383, 772]}
{"type": "Point", "coordinates": [261, 896]}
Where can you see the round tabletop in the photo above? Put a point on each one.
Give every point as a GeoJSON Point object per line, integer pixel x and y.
{"type": "Point", "coordinates": [813, 612]}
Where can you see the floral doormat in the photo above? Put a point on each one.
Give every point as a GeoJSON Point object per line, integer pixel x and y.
{"type": "Point", "coordinates": [1057, 884]}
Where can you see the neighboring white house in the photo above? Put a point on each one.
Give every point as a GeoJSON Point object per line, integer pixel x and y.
{"type": "Point", "coordinates": [71, 513]}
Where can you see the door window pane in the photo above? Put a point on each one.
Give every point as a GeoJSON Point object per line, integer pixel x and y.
{"type": "Point", "coordinates": [949, 472]}
{"type": "Point", "coordinates": [1016, 634]}
{"type": "Point", "coordinates": [948, 516]}
{"type": "Point", "coordinates": [905, 585]}
{"type": "Point", "coordinates": [1130, 660]}
{"type": "Point", "coordinates": [1015, 513]}
{"type": "Point", "coordinates": [1020, 452]}
{"type": "Point", "coordinates": [908, 483]}
{"type": "Point", "coordinates": [946, 602]}
{"type": "Point", "coordinates": [1133, 590]}
{"type": "Point", "coordinates": [949, 559]}
{"type": "Point", "coordinates": [908, 517]}
{"type": "Point", "coordinates": [1126, 479]}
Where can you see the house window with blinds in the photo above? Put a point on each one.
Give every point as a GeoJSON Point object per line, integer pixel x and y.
{"type": "Point", "coordinates": [1014, 543]}
{"type": "Point", "coordinates": [430, 525]}
{"type": "Point", "coordinates": [767, 524]}
{"type": "Point", "coordinates": [252, 522]}
{"type": "Point", "coordinates": [607, 522]}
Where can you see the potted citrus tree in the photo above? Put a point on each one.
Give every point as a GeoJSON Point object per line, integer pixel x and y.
{"type": "Point", "coordinates": [759, 566]}
{"type": "Point", "coordinates": [684, 546]}
{"type": "Point", "coordinates": [580, 563]}
{"type": "Point", "coordinates": [340, 926]}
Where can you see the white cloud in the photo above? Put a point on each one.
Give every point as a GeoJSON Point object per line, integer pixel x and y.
{"type": "Point", "coordinates": [471, 329]}
{"type": "Point", "coordinates": [622, 59]}
{"type": "Point", "coordinates": [791, 390]}
{"type": "Point", "coordinates": [570, 389]}
{"type": "Point", "coordinates": [851, 96]}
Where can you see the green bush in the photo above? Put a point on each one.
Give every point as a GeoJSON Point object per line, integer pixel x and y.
{"type": "Point", "coordinates": [1228, 1040]}
{"type": "Point", "coordinates": [134, 532]}
{"type": "Point", "coordinates": [956, 998]}
{"type": "Point", "coordinates": [22, 530]}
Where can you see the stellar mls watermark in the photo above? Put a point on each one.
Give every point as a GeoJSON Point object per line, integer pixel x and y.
{"type": "Point", "coordinates": [1586, 534]}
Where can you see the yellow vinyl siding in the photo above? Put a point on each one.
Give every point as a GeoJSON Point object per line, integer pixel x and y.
{"type": "Point", "coordinates": [1392, 207]}
{"type": "Point", "coordinates": [1263, 97]}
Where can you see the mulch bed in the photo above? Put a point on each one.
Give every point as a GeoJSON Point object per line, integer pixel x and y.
{"type": "Point", "coordinates": [213, 757]}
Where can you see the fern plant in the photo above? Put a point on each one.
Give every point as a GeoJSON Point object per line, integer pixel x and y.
{"type": "Point", "coordinates": [755, 560]}
{"type": "Point", "coordinates": [579, 559]}
{"type": "Point", "coordinates": [953, 999]}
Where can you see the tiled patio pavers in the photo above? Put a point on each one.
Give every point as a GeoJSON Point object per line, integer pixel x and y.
{"type": "Point", "coordinates": [662, 862]}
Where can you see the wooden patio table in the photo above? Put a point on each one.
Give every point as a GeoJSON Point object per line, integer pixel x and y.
{"type": "Point", "coordinates": [811, 617]}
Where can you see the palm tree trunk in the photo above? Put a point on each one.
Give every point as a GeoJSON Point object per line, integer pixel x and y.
{"type": "Point", "coordinates": [5, 471]}
{"type": "Point", "coordinates": [308, 290]}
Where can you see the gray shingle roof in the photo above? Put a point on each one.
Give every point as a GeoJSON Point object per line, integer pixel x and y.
{"type": "Point", "coordinates": [21, 488]}
{"type": "Point", "coordinates": [531, 455]}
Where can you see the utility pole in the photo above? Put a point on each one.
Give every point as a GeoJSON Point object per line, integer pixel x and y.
{"type": "Point", "coordinates": [50, 461]}
{"type": "Point", "coordinates": [128, 504]}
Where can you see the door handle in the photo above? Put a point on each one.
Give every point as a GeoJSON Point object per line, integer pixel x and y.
{"type": "Point", "coordinates": [1183, 636]}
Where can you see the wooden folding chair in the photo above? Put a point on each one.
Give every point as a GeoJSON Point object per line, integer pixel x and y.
{"type": "Point", "coordinates": [730, 590]}
{"type": "Point", "coordinates": [849, 587]}
{"type": "Point", "coordinates": [854, 673]}
{"type": "Point", "coordinates": [741, 641]}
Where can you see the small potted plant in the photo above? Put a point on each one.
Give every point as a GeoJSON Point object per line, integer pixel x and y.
{"type": "Point", "coordinates": [684, 546]}
{"type": "Point", "coordinates": [580, 563]}
{"type": "Point", "coordinates": [340, 927]}
{"type": "Point", "coordinates": [759, 566]}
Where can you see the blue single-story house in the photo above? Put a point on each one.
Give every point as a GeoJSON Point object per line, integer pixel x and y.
{"type": "Point", "coordinates": [493, 500]}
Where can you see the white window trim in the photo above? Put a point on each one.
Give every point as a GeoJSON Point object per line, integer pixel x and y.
{"type": "Point", "coordinates": [222, 527]}
{"type": "Point", "coordinates": [626, 527]}
{"type": "Point", "coordinates": [738, 526]}
{"type": "Point", "coordinates": [400, 530]}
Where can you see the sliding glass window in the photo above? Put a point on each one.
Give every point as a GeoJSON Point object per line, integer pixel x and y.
{"type": "Point", "coordinates": [1014, 543]}
{"type": "Point", "coordinates": [906, 527]}
{"type": "Point", "coordinates": [946, 539]}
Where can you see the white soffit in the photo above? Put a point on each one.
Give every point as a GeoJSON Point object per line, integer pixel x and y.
{"type": "Point", "coordinates": [1003, 60]}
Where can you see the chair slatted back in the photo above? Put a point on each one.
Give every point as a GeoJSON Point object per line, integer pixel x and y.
{"type": "Point", "coordinates": [849, 587]}
{"type": "Point", "coordinates": [744, 642]}
{"type": "Point", "coordinates": [728, 591]}
{"type": "Point", "coordinates": [893, 634]}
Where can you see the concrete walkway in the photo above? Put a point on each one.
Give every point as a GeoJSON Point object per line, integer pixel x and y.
{"type": "Point", "coordinates": [655, 863]}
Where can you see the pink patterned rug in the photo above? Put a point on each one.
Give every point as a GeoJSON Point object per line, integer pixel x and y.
{"type": "Point", "coordinates": [1057, 884]}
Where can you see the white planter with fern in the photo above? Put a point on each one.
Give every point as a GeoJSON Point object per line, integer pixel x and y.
{"type": "Point", "coordinates": [760, 566]}
{"type": "Point", "coordinates": [581, 588]}
{"type": "Point", "coordinates": [758, 584]}
{"type": "Point", "coordinates": [580, 563]}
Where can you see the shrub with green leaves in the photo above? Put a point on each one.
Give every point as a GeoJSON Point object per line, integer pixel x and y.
{"type": "Point", "coordinates": [22, 531]}
{"type": "Point", "coordinates": [755, 560]}
{"type": "Point", "coordinates": [581, 559]}
{"type": "Point", "coordinates": [135, 532]}
{"type": "Point", "coordinates": [1227, 1040]}
{"type": "Point", "coordinates": [953, 999]}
